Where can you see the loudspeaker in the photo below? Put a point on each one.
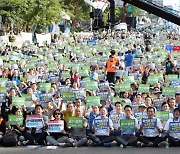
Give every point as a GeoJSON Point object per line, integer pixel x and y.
{"type": "Point", "coordinates": [131, 22]}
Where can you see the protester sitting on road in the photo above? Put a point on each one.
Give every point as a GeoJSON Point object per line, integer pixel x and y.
{"type": "Point", "coordinates": [36, 134]}
{"type": "Point", "coordinates": [150, 132]}
{"type": "Point", "coordinates": [172, 135]}
{"type": "Point", "coordinates": [59, 137]}
{"type": "Point", "coordinates": [78, 135]}
{"type": "Point", "coordinates": [127, 136]}
{"type": "Point", "coordinates": [102, 126]}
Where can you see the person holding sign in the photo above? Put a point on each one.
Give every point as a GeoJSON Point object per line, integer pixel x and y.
{"type": "Point", "coordinates": [116, 115]}
{"type": "Point", "coordinates": [150, 129]}
{"type": "Point", "coordinates": [37, 124]}
{"type": "Point", "coordinates": [102, 126]}
{"type": "Point", "coordinates": [16, 124]}
{"type": "Point", "coordinates": [172, 128]}
{"type": "Point", "coordinates": [57, 130]}
{"type": "Point", "coordinates": [78, 125]}
{"type": "Point", "coordinates": [128, 126]}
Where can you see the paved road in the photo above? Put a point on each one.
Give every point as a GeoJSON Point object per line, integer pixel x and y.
{"type": "Point", "coordinates": [89, 150]}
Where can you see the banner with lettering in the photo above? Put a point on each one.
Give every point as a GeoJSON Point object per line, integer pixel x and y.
{"type": "Point", "coordinates": [15, 119]}
{"type": "Point", "coordinates": [91, 85]}
{"type": "Point", "coordinates": [75, 122]}
{"type": "Point", "coordinates": [93, 100]}
{"type": "Point", "coordinates": [45, 87]}
{"type": "Point", "coordinates": [174, 127]}
{"type": "Point", "coordinates": [122, 87]}
{"type": "Point", "coordinates": [68, 96]}
{"type": "Point", "coordinates": [18, 101]}
{"type": "Point", "coordinates": [34, 121]}
{"type": "Point", "coordinates": [56, 126]}
{"type": "Point", "coordinates": [127, 124]}
{"type": "Point", "coordinates": [149, 123]}
{"type": "Point", "coordinates": [163, 115]}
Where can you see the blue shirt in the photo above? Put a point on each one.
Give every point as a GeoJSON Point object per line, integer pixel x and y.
{"type": "Point", "coordinates": [129, 58]}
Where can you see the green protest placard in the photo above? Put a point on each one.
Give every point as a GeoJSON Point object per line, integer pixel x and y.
{"type": "Point", "coordinates": [122, 87]}
{"type": "Point", "coordinates": [28, 97]}
{"type": "Point", "coordinates": [6, 65]}
{"type": "Point", "coordinates": [75, 122]}
{"type": "Point", "coordinates": [91, 85]}
{"type": "Point", "coordinates": [159, 76]}
{"type": "Point", "coordinates": [75, 68]}
{"type": "Point", "coordinates": [168, 91]}
{"type": "Point", "coordinates": [30, 65]}
{"type": "Point", "coordinates": [52, 67]}
{"type": "Point", "coordinates": [45, 86]}
{"type": "Point", "coordinates": [172, 77]}
{"type": "Point", "coordinates": [65, 74]}
{"type": "Point", "coordinates": [143, 88]}
{"type": "Point", "coordinates": [14, 119]}
{"type": "Point", "coordinates": [83, 72]}
{"type": "Point", "coordinates": [18, 101]}
{"type": "Point", "coordinates": [68, 96]}
{"type": "Point", "coordinates": [127, 124]}
{"type": "Point", "coordinates": [3, 90]}
{"type": "Point", "coordinates": [162, 115]}
{"type": "Point", "coordinates": [152, 80]}
{"type": "Point", "coordinates": [116, 99]}
{"type": "Point", "coordinates": [93, 100]}
{"type": "Point", "coordinates": [128, 79]}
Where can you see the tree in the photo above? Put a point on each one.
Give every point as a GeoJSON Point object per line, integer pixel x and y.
{"type": "Point", "coordinates": [23, 14]}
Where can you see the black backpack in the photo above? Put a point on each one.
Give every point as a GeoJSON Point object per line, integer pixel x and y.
{"type": "Point", "coordinates": [9, 139]}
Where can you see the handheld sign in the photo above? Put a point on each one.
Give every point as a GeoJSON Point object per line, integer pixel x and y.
{"type": "Point", "coordinates": [27, 97]}
{"type": "Point", "coordinates": [162, 115]}
{"type": "Point", "coordinates": [68, 96]}
{"type": "Point", "coordinates": [93, 100]}
{"type": "Point", "coordinates": [122, 87]}
{"type": "Point", "coordinates": [103, 85]}
{"type": "Point", "coordinates": [127, 124]}
{"type": "Point", "coordinates": [143, 88]}
{"type": "Point", "coordinates": [45, 86]}
{"type": "Point", "coordinates": [104, 95]}
{"type": "Point", "coordinates": [34, 121]}
{"type": "Point", "coordinates": [56, 126]}
{"type": "Point", "coordinates": [18, 101]}
{"type": "Point", "coordinates": [45, 98]}
{"type": "Point", "coordinates": [79, 94]}
{"type": "Point", "coordinates": [14, 119]}
{"type": "Point", "coordinates": [2, 98]}
{"type": "Point", "coordinates": [149, 123]}
{"type": "Point", "coordinates": [75, 122]}
{"type": "Point", "coordinates": [174, 127]}
{"type": "Point", "coordinates": [101, 126]}
{"type": "Point", "coordinates": [168, 91]}
{"type": "Point", "coordinates": [139, 115]}
{"type": "Point", "coordinates": [91, 85]}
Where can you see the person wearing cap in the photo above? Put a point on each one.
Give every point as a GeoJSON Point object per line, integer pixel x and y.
{"type": "Point", "coordinates": [173, 137]}
{"type": "Point", "coordinates": [111, 66]}
{"type": "Point", "coordinates": [150, 136]}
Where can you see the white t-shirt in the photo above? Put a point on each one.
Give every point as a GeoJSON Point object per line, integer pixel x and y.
{"type": "Point", "coordinates": [153, 132]}
{"type": "Point", "coordinates": [115, 117]}
{"type": "Point", "coordinates": [172, 134]}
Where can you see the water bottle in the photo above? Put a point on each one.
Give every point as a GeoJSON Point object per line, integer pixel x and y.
{"type": "Point", "coordinates": [167, 143]}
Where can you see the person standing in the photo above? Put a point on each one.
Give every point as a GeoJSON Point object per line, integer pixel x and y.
{"type": "Point", "coordinates": [111, 66]}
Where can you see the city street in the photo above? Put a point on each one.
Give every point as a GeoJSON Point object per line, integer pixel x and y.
{"type": "Point", "coordinates": [89, 150]}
